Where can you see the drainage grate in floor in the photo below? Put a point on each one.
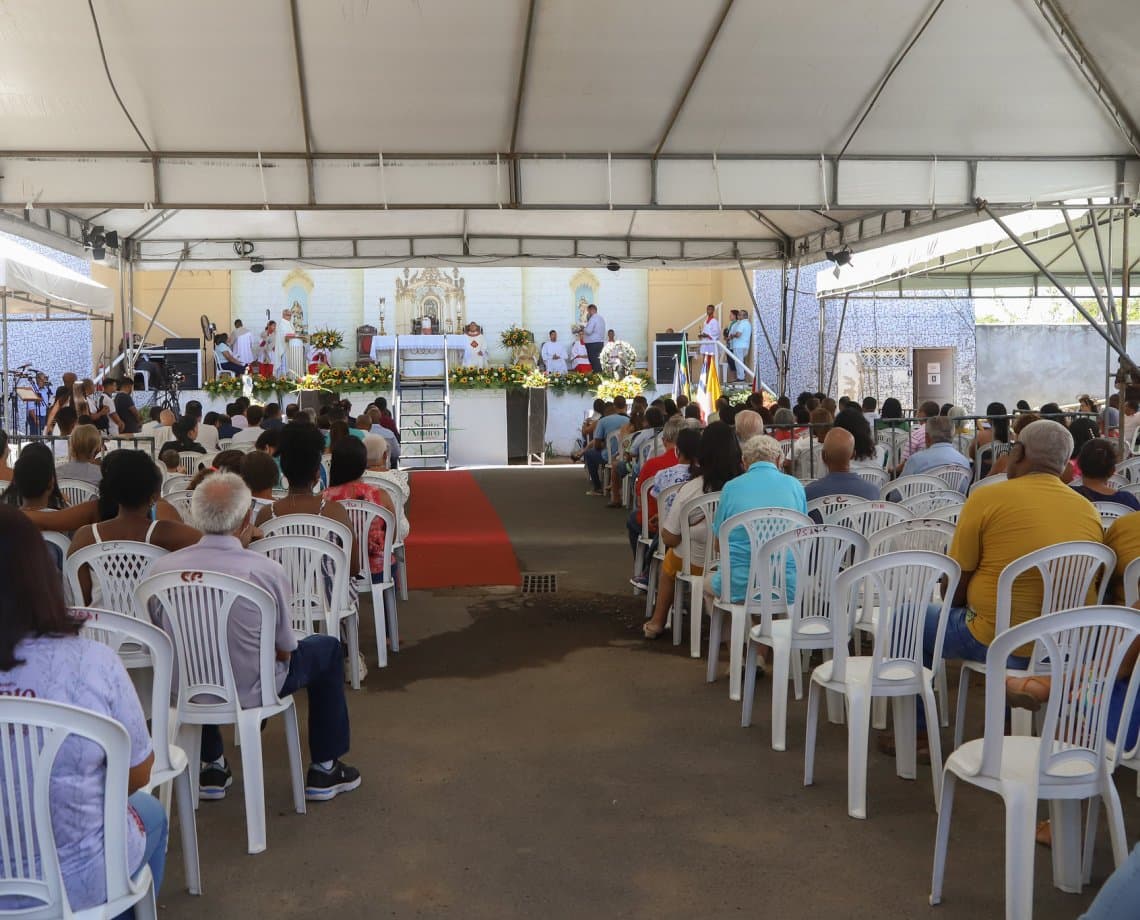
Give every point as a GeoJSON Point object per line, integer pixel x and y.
{"type": "Point", "coordinates": [539, 583]}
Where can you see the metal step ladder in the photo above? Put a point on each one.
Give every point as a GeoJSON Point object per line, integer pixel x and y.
{"type": "Point", "coordinates": [423, 406]}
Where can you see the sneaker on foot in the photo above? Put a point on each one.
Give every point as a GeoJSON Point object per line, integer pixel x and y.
{"type": "Point", "coordinates": [213, 781]}
{"type": "Point", "coordinates": [321, 786]}
{"type": "Point", "coordinates": [640, 582]}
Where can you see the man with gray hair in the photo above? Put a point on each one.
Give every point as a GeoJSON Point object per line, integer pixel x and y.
{"type": "Point", "coordinates": [999, 523]}
{"type": "Point", "coordinates": [220, 508]}
{"type": "Point", "coordinates": [940, 450]}
{"type": "Point", "coordinates": [748, 424]}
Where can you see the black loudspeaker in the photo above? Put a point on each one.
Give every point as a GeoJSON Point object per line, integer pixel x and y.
{"type": "Point", "coordinates": [182, 343]}
{"type": "Point", "coordinates": [667, 349]}
{"type": "Point", "coordinates": [315, 399]}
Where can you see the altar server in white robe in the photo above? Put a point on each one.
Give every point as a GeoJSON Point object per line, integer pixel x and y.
{"type": "Point", "coordinates": [554, 355]}
{"type": "Point", "coordinates": [580, 357]}
{"type": "Point", "coordinates": [267, 349]}
{"type": "Point", "coordinates": [241, 343]}
{"type": "Point", "coordinates": [281, 344]}
{"type": "Point", "coordinates": [475, 347]}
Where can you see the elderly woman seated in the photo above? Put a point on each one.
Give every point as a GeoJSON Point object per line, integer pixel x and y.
{"type": "Point", "coordinates": [85, 445]}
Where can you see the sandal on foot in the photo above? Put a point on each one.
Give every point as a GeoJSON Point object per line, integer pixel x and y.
{"type": "Point", "coordinates": [652, 632]}
{"type": "Point", "coordinates": [1026, 692]}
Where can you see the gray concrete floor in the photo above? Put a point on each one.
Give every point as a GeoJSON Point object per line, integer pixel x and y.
{"type": "Point", "coordinates": [532, 757]}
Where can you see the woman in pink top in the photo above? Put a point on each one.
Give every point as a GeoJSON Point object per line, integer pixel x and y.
{"type": "Point", "coordinates": [349, 461]}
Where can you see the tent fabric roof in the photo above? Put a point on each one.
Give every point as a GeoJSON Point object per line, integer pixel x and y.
{"type": "Point", "coordinates": [689, 131]}
{"type": "Point", "coordinates": [981, 257]}
{"type": "Point", "coordinates": [27, 274]}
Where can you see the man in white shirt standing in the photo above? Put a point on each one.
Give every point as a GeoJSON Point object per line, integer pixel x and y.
{"type": "Point", "coordinates": [553, 355]}
{"type": "Point", "coordinates": [595, 337]}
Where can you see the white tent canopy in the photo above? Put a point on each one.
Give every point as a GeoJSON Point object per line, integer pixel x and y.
{"type": "Point", "coordinates": [505, 131]}
{"type": "Point", "coordinates": [34, 281]}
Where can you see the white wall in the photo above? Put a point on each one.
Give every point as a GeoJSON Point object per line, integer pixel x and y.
{"type": "Point", "coordinates": [1039, 364]}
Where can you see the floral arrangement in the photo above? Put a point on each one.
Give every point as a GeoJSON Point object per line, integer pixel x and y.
{"type": "Point", "coordinates": [618, 358]}
{"type": "Point", "coordinates": [486, 378]}
{"type": "Point", "coordinates": [516, 337]}
{"type": "Point", "coordinates": [534, 379]}
{"type": "Point", "coordinates": [224, 386]}
{"type": "Point", "coordinates": [628, 386]}
{"type": "Point", "coordinates": [737, 397]}
{"type": "Point", "coordinates": [327, 339]}
{"type": "Point", "coordinates": [370, 377]}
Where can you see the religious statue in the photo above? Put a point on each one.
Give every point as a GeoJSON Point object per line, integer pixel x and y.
{"type": "Point", "coordinates": [475, 348]}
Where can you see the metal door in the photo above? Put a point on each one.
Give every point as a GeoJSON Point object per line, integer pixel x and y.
{"type": "Point", "coordinates": [933, 375]}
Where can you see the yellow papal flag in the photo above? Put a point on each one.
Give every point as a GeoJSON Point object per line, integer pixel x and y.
{"type": "Point", "coordinates": [708, 388]}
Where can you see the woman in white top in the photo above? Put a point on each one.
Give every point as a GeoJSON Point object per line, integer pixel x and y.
{"type": "Point", "coordinates": [41, 656]}
{"type": "Point", "coordinates": [868, 454]}
{"type": "Point", "coordinates": [718, 461]}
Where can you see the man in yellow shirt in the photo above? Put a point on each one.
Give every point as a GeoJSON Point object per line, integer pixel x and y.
{"type": "Point", "coordinates": [1123, 538]}
{"type": "Point", "coordinates": [1000, 523]}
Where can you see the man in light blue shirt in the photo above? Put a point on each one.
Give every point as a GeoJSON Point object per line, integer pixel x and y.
{"type": "Point", "coordinates": [761, 486]}
{"type": "Point", "coordinates": [596, 456]}
{"type": "Point", "coordinates": [594, 337]}
{"type": "Point", "coordinates": [940, 450]}
{"type": "Point", "coordinates": [740, 341]}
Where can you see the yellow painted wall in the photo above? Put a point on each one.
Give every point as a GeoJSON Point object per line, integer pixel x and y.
{"type": "Point", "coordinates": [678, 296]}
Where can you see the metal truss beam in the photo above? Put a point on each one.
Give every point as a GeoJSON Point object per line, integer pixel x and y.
{"type": "Point", "coordinates": [303, 93]}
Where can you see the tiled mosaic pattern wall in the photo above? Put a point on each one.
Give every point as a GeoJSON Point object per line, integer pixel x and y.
{"type": "Point", "coordinates": [870, 323]}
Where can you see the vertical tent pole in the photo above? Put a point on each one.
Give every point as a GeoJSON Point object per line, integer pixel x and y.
{"type": "Point", "coordinates": [819, 353]}
{"type": "Point", "coordinates": [838, 339]}
{"type": "Point", "coordinates": [1125, 291]}
{"type": "Point", "coordinates": [8, 407]}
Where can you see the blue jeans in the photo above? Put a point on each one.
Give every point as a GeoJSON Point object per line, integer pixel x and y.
{"type": "Point", "coordinates": [958, 644]}
{"type": "Point", "coordinates": [1120, 892]}
{"type": "Point", "coordinates": [317, 665]}
{"type": "Point", "coordinates": [595, 460]}
{"type": "Point", "coordinates": [153, 817]}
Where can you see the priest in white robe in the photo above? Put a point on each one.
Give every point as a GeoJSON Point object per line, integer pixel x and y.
{"type": "Point", "coordinates": [241, 343]}
{"type": "Point", "coordinates": [281, 344]}
{"type": "Point", "coordinates": [475, 346]}
{"type": "Point", "coordinates": [554, 355]}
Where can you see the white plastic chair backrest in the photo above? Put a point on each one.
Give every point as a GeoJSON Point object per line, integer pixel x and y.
{"type": "Point", "coordinates": [697, 509]}
{"type": "Point", "coordinates": [1116, 481]}
{"type": "Point", "coordinates": [613, 446]}
{"type": "Point", "coordinates": [362, 514]}
{"type": "Point", "coordinates": [309, 525]}
{"type": "Point", "coordinates": [177, 483]}
{"type": "Point", "coordinates": [901, 585]}
{"type": "Point", "coordinates": [1110, 511]}
{"type": "Point", "coordinates": [643, 507]}
{"type": "Point", "coordinates": [32, 734]}
{"type": "Point", "coordinates": [925, 502]}
{"type": "Point", "coordinates": [318, 572]}
{"type": "Point", "coordinates": [760, 525]}
{"type": "Point", "coordinates": [225, 444]}
{"type": "Point", "coordinates": [188, 461]}
{"type": "Point", "coordinates": [195, 608]}
{"type": "Point", "coordinates": [962, 443]}
{"type": "Point", "coordinates": [1133, 488]}
{"type": "Point", "coordinates": [1129, 469]}
{"type": "Point", "coordinates": [1068, 571]}
{"type": "Point", "coordinates": [988, 481]}
{"type": "Point", "coordinates": [877, 478]}
{"type": "Point", "coordinates": [827, 505]}
{"type": "Point", "coordinates": [76, 491]}
{"type": "Point", "coordinates": [180, 501]}
{"type": "Point", "coordinates": [117, 567]}
{"type": "Point", "coordinates": [60, 543]}
{"type": "Point", "coordinates": [117, 630]}
{"type": "Point", "coordinates": [395, 493]}
{"type": "Point", "coordinates": [868, 517]}
{"type": "Point", "coordinates": [908, 486]}
{"type": "Point", "coordinates": [949, 513]}
{"type": "Point", "coordinates": [926, 534]}
{"type": "Point", "coordinates": [665, 499]}
{"type": "Point", "coordinates": [1081, 650]}
{"type": "Point", "coordinates": [956, 477]}
{"type": "Point", "coordinates": [1131, 581]}
{"type": "Point", "coordinates": [819, 553]}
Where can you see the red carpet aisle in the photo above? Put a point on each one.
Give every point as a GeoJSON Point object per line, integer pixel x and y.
{"type": "Point", "coordinates": [457, 539]}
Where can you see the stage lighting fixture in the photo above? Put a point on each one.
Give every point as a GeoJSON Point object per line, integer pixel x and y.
{"type": "Point", "coordinates": [841, 257]}
{"type": "Point", "coordinates": [256, 266]}
{"type": "Point", "coordinates": [613, 266]}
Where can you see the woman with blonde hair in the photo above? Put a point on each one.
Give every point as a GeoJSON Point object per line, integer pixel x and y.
{"type": "Point", "coordinates": [84, 447]}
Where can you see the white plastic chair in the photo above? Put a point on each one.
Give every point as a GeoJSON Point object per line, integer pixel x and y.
{"type": "Point", "coordinates": [877, 478]}
{"type": "Point", "coordinates": [116, 567]}
{"type": "Point", "coordinates": [664, 501]}
{"type": "Point", "coordinates": [990, 480]}
{"type": "Point", "coordinates": [1132, 488]}
{"type": "Point", "coordinates": [902, 584]}
{"type": "Point", "coordinates": [76, 491]}
{"type": "Point", "coordinates": [909, 486]}
{"type": "Point", "coordinates": [309, 525]}
{"type": "Point", "coordinates": [176, 483]}
{"type": "Point", "coordinates": [171, 767]}
{"type": "Point", "coordinates": [399, 499]}
{"type": "Point", "coordinates": [1120, 756]}
{"type": "Point", "coordinates": [820, 553]}
{"type": "Point", "coordinates": [180, 500]}
{"type": "Point", "coordinates": [827, 505]}
{"type": "Point", "coordinates": [318, 572]}
{"type": "Point", "coordinates": [644, 539]}
{"type": "Point", "coordinates": [895, 441]}
{"type": "Point", "coordinates": [363, 514]}
{"type": "Point", "coordinates": [196, 608]}
{"type": "Point", "coordinates": [225, 444]}
{"type": "Point", "coordinates": [922, 504]}
{"type": "Point", "coordinates": [1110, 511]}
{"type": "Point", "coordinates": [188, 461]}
{"type": "Point", "coordinates": [1070, 571]}
{"type": "Point", "coordinates": [927, 534]}
{"type": "Point", "coordinates": [956, 477]}
{"type": "Point", "coordinates": [60, 543]}
{"type": "Point", "coordinates": [1082, 650]}
{"type": "Point", "coordinates": [696, 509]}
{"type": "Point", "coordinates": [1129, 469]}
{"type": "Point", "coordinates": [32, 733]}
{"type": "Point", "coordinates": [949, 513]}
{"type": "Point", "coordinates": [760, 525]}
{"type": "Point", "coordinates": [867, 518]}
